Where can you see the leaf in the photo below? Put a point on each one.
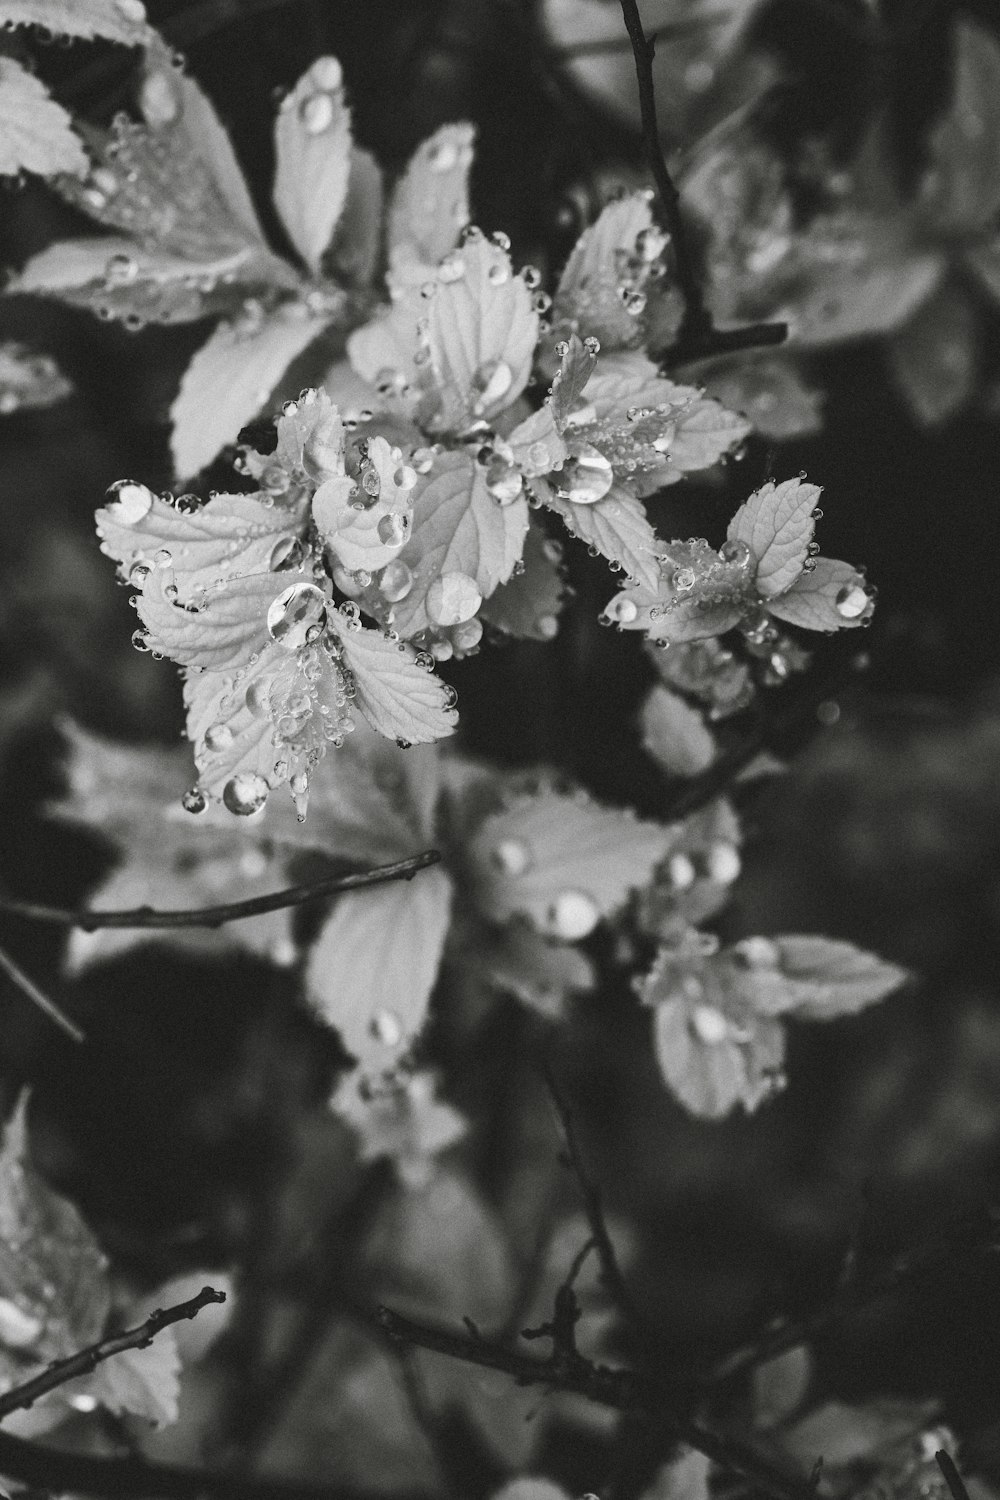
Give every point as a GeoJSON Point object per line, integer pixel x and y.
{"type": "Point", "coordinates": [517, 960]}
{"type": "Point", "coordinates": [312, 142]}
{"type": "Point", "coordinates": [535, 443]}
{"type": "Point", "coordinates": [481, 333]}
{"type": "Point", "coordinates": [527, 606]}
{"type": "Point", "coordinates": [619, 528]}
{"type": "Point", "coordinates": [430, 202]}
{"type": "Point", "coordinates": [36, 133]}
{"type": "Point", "coordinates": [208, 138]}
{"type": "Point", "coordinates": [561, 860]}
{"type": "Point", "coordinates": [52, 1271]}
{"type": "Point", "coordinates": [818, 978]}
{"type": "Point", "coordinates": [229, 622]}
{"type": "Point", "coordinates": [704, 432]}
{"type": "Point", "coordinates": [984, 261]}
{"type": "Point", "coordinates": [526, 1488]}
{"type": "Point", "coordinates": [404, 1120]}
{"type": "Point", "coordinates": [397, 696]}
{"type": "Point", "coordinates": [458, 528]}
{"type": "Point", "coordinates": [588, 293]}
{"type": "Point", "coordinates": [142, 1382]}
{"type": "Point", "coordinates": [227, 383]}
{"type": "Point", "coordinates": [357, 241]}
{"type": "Point", "coordinates": [960, 193]}
{"type": "Point", "coordinates": [675, 735]}
{"type": "Point", "coordinates": [231, 534]}
{"type": "Point", "coordinates": [121, 21]}
{"type": "Point", "coordinates": [683, 1478]}
{"type": "Point", "coordinates": [770, 392]}
{"type": "Point", "coordinates": [858, 279]}
{"type": "Point", "coordinates": [576, 367]}
{"type": "Point", "coordinates": [777, 524]}
{"type": "Point", "coordinates": [780, 1385]}
{"type": "Point", "coordinates": [111, 785]}
{"type": "Point", "coordinates": [372, 968]}
{"type": "Point", "coordinates": [371, 536]}
{"type": "Point", "coordinates": [812, 599]}
{"type": "Point", "coordinates": [29, 381]}
{"type": "Point", "coordinates": [934, 358]}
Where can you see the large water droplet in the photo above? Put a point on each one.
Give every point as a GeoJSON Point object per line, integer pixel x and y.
{"type": "Point", "coordinates": [287, 553]}
{"type": "Point", "coordinates": [512, 856]}
{"type": "Point", "coordinates": [158, 100]}
{"type": "Point", "coordinates": [395, 581]}
{"type": "Point", "coordinates": [503, 481]}
{"type": "Point", "coordinates": [735, 551]}
{"type": "Point", "coordinates": [681, 871]}
{"type": "Point", "coordinates": [709, 1025]}
{"type": "Point", "coordinates": [585, 477]}
{"type": "Point", "coordinates": [393, 529]}
{"type": "Point", "coordinates": [651, 242]}
{"type": "Point", "coordinates": [130, 502]}
{"type": "Point", "coordinates": [121, 270]}
{"type": "Point", "coordinates": [293, 614]}
{"type": "Point", "coordinates": [493, 382]}
{"type": "Point", "coordinates": [572, 915]}
{"type": "Point", "coordinates": [722, 862]}
{"type": "Point", "coordinates": [245, 793]}
{"type": "Point", "coordinates": [452, 268]}
{"type": "Point", "coordinates": [453, 598]}
{"type": "Point", "coordinates": [316, 113]}
{"type": "Point", "coordinates": [852, 601]}
{"type": "Point", "coordinates": [194, 801]}
{"type": "Point", "coordinates": [218, 737]}
{"type": "Point", "coordinates": [622, 610]}
{"type": "Point", "coordinates": [759, 953]}
{"type": "Point", "coordinates": [466, 637]}
{"type": "Point", "coordinates": [386, 1028]}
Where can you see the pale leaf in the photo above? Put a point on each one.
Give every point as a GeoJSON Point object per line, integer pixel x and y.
{"type": "Point", "coordinates": [430, 202]}
{"type": "Point", "coordinates": [121, 21]}
{"type": "Point", "coordinates": [561, 860]}
{"type": "Point", "coordinates": [777, 524]}
{"type": "Point", "coordinates": [357, 241]}
{"type": "Point", "coordinates": [403, 1120]}
{"type": "Point", "coordinates": [142, 1382]}
{"type": "Point", "coordinates": [518, 960]}
{"type": "Point", "coordinates": [531, 1489]}
{"type": "Point", "coordinates": [704, 432]}
{"type": "Point", "coordinates": [619, 529]}
{"type": "Point", "coordinates": [397, 696]}
{"type": "Point", "coordinates": [204, 130]}
{"type": "Point", "coordinates": [819, 978]}
{"type": "Point", "coordinates": [675, 735]}
{"type": "Point", "coordinates": [373, 966]}
{"type": "Point", "coordinates": [877, 286]}
{"type": "Point", "coordinates": [934, 358]}
{"type": "Point", "coordinates": [536, 443]}
{"type": "Point", "coordinates": [111, 785]}
{"type": "Point", "coordinates": [588, 291]}
{"type": "Point", "coordinates": [36, 134]}
{"type": "Point", "coordinates": [812, 599]}
{"type": "Point", "coordinates": [358, 536]}
{"type": "Point", "coordinates": [312, 139]}
{"type": "Point", "coordinates": [710, 1078]}
{"type": "Point", "coordinates": [225, 625]}
{"type": "Point", "coordinates": [780, 1385]}
{"type": "Point", "coordinates": [227, 383]}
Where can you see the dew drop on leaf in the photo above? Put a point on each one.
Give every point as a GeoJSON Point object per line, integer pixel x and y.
{"type": "Point", "coordinates": [386, 1028]}
{"type": "Point", "coordinates": [709, 1025]}
{"type": "Point", "coordinates": [293, 614]}
{"type": "Point", "coordinates": [493, 381]}
{"type": "Point", "coordinates": [512, 856]}
{"type": "Point", "coordinates": [623, 611]}
{"type": "Point", "coordinates": [287, 554]}
{"type": "Point", "coordinates": [395, 581]}
{"type": "Point", "coordinates": [121, 270]}
{"type": "Point", "coordinates": [548, 627]}
{"type": "Point", "coordinates": [681, 871]}
{"type": "Point", "coordinates": [759, 953]}
{"type": "Point", "coordinates": [585, 477]}
{"type": "Point", "coordinates": [245, 793]}
{"type": "Point", "coordinates": [453, 598]}
{"type": "Point", "coordinates": [503, 481]}
{"type": "Point", "coordinates": [218, 737]}
{"type": "Point", "coordinates": [735, 551]}
{"type": "Point", "coordinates": [158, 100]}
{"type": "Point", "coordinates": [18, 1329]}
{"type": "Point", "coordinates": [572, 915]}
{"type": "Point", "coordinates": [393, 529]}
{"type": "Point", "coordinates": [130, 503]}
{"type": "Point", "coordinates": [316, 113]}
{"type": "Point", "coordinates": [852, 601]}
{"type": "Point", "coordinates": [723, 863]}
{"type": "Point", "coordinates": [443, 156]}
{"type": "Point", "coordinates": [194, 801]}
{"type": "Point", "coordinates": [467, 635]}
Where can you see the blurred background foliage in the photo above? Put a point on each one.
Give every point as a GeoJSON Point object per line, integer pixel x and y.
{"type": "Point", "coordinates": [193, 1129]}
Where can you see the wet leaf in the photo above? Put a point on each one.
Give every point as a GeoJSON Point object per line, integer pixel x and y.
{"type": "Point", "coordinates": [36, 133]}
{"type": "Point", "coordinates": [312, 139]}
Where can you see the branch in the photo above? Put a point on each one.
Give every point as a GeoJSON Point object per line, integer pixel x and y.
{"type": "Point", "coordinates": [697, 337]}
{"type": "Point", "coordinates": [63, 1370]}
{"type": "Point", "coordinates": [231, 911]}
{"type": "Point", "coordinates": [622, 1390]}
{"type": "Point", "coordinates": [38, 997]}
{"type": "Point", "coordinates": [952, 1477]}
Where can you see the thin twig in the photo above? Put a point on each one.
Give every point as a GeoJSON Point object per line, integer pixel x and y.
{"type": "Point", "coordinates": [38, 997]}
{"type": "Point", "coordinates": [63, 1370]}
{"type": "Point", "coordinates": [952, 1477]}
{"type": "Point", "coordinates": [697, 336]}
{"type": "Point", "coordinates": [231, 911]}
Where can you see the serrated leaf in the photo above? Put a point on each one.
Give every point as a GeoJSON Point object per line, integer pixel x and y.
{"type": "Point", "coordinates": [961, 190]}
{"type": "Point", "coordinates": [481, 333]}
{"type": "Point", "coordinates": [458, 527]}
{"type": "Point", "coordinates": [227, 383]}
{"type": "Point", "coordinates": [372, 968]}
{"type": "Point", "coordinates": [430, 202]}
{"type": "Point", "coordinates": [588, 292]}
{"type": "Point", "coordinates": [229, 623]}
{"type": "Point", "coordinates": [397, 696]}
{"type": "Point", "coordinates": [142, 1382]}
{"type": "Point", "coordinates": [770, 392]}
{"type": "Point", "coordinates": [228, 535]}
{"type": "Point", "coordinates": [312, 141]}
{"type": "Point", "coordinates": [561, 860]}
{"type": "Point", "coordinates": [29, 381]}
{"type": "Point", "coordinates": [934, 358]}
{"type": "Point", "coordinates": [704, 432]}
{"type": "Point", "coordinates": [246, 744]}
{"type": "Point", "coordinates": [618, 527]}
{"type": "Point", "coordinates": [527, 606]}
{"type": "Point", "coordinates": [812, 599]}
{"type": "Point", "coordinates": [36, 133]}
{"type": "Point", "coordinates": [712, 1062]}
{"type": "Point", "coordinates": [358, 537]}
{"type": "Point", "coordinates": [357, 241]}
{"type": "Point", "coordinates": [777, 524]}
{"type": "Point", "coordinates": [675, 735]}
{"type": "Point", "coordinates": [819, 978]}
{"type": "Point", "coordinates": [121, 21]}
{"type": "Point", "coordinates": [576, 367]}
{"type": "Point", "coordinates": [859, 280]}
{"type": "Point", "coordinates": [536, 443]}
{"type": "Point", "coordinates": [111, 785]}
{"type": "Point", "coordinates": [52, 1270]}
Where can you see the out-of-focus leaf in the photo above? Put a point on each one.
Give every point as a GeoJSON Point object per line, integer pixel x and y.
{"type": "Point", "coordinates": [675, 735]}
{"type": "Point", "coordinates": [36, 134]}
{"type": "Point", "coordinates": [527, 606]}
{"type": "Point", "coordinates": [143, 1382]}
{"type": "Point", "coordinates": [312, 138]}
{"type": "Point", "coordinates": [29, 381]}
{"type": "Point", "coordinates": [372, 968]}
{"type": "Point", "coordinates": [770, 392]}
{"type": "Point", "coordinates": [121, 21]}
{"type": "Point", "coordinates": [684, 1478]}
{"type": "Point", "coordinates": [816, 978]}
{"type": "Point", "coordinates": [430, 202]}
{"type": "Point", "coordinates": [961, 189]}
{"type": "Point", "coordinates": [934, 357]}
{"type": "Point", "coordinates": [780, 1385]}
{"type": "Point", "coordinates": [357, 240]}
{"type": "Point", "coordinates": [531, 1489]}
{"type": "Point", "coordinates": [517, 960]}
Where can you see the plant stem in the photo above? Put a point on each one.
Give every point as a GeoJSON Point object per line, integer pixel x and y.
{"type": "Point", "coordinates": [63, 1370]}
{"type": "Point", "coordinates": [231, 911]}
{"type": "Point", "coordinates": [38, 997]}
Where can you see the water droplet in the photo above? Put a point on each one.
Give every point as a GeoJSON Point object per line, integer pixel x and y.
{"type": "Point", "coordinates": [585, 477]}
{"type": "Point", "coordinates": [140, 640]}
{"type": "Point", "coordinates": [759, 953]}
{"type": "Point", "coordinates": [547, 626]}
{"type": "Point", "coordinates": [130, 502]}
{"type": "Point", "coordinates": [386, 1028]}
{"type": "Point", "coordinates": [684, 580]}
{"type": "Point", "coordinates": [18, 1329]}
{"type": "Point", "coordinates": [293, 613]}
{"type": "Point", "coordinates": [681, 871]}
{"type": "Point", "coordinates": [218, 737]}
{"type": "Point", "coordinates": [651, 242]}
{"type": "Point", "coordinates": [592, 345]}
{"type": "Point", "coordinates": [194, 801]}
{"type": "Point", "coordinates": [709, 1025]}
{"type": "Point", "coordinates": [512, 856]}
{"type": "Point", "coordinates": [852, 601]}
{"type": "Point", "coordinates": [493, 381]}
{"type": "Point", "coordinates": [452, 268]}
{"type": "Point", "coordinates": [121, 270]}
{"type": "Point", "coordinates": [393, 529]}
{"type": "Point", "coordinates": [316, 113]}
{"type": "Point", "coordinates": [532, 277]}
{"type": "Point", "coordinates": [395, 581]}
{"type": "Point", "coordinates": [443, 156]}
{"type": "Point", "coordinates": [138, 574]}
{"type": "Point", "coordinates": [466, 637]}
{"type": "Point", "coordinates": [722, 863]}
{"type": "Point", "coordinates": [453, 598]}
{"type": "Point", "coordinates": [158, 100]}
{"type": "Point", "coordinates": [572, 915]}
{"type": "Point", "coordinates": [245, 794]}
{"type": "Point", "coordinates": [622, 610]}
{"type": "Point", "coordinates": [735, 551]}
{"type": "Point", "coordinates": [287, 553]}
{"type": "Point", "coordinates": [503, 481]}
{"type": "Point", "coordinates": [498, 273]}
{"type": "Point", "coordinates": [633, 302]}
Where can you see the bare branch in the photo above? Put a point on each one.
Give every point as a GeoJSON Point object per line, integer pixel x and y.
{"type": "Point", "coordinates": [63, 1370]}
{"type": "Point", "coordinates": [231, 911]}
{"type": "Point", "coordinates": [952, 1477]}
{"type": "Point", "coordinates": [38, 997]}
